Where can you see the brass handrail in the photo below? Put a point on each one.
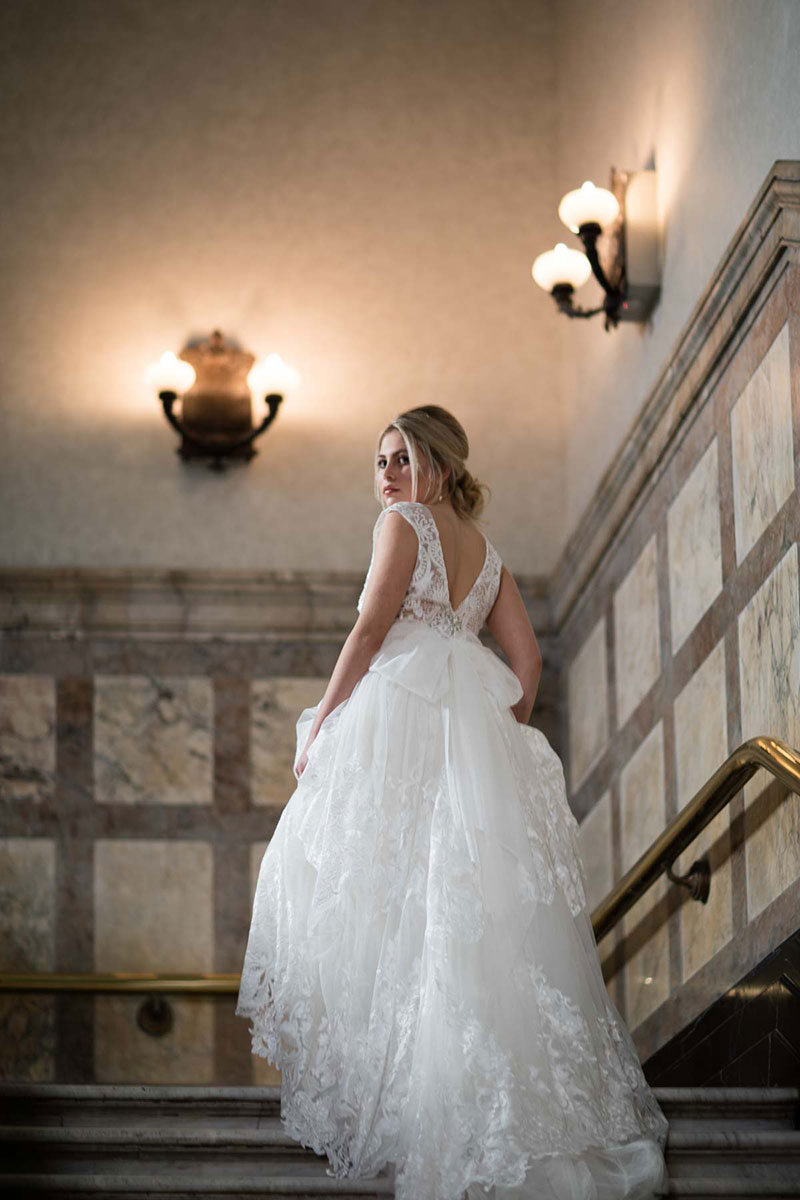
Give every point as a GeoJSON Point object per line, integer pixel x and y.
{"type": "Point", "coordinates": [147, 982]}
{"type": "Point", "coordinates": [771, 753]}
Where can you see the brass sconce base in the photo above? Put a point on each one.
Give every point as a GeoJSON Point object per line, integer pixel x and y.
{"type": "Point", "coordinates": [216, 419]}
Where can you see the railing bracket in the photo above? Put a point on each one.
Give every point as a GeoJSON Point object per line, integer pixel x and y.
{"type": "Point", "coordinates": [697, 879]}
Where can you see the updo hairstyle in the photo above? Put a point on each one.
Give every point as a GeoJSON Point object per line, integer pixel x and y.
{"type": "Point", "coordinates": [433, 435]}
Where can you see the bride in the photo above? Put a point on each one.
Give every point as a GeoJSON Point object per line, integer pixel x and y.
{"type": "Point", "coordinates": [420, 963]}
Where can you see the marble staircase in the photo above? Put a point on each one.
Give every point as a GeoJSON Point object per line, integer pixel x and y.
{"type": "Point", "coordinates": [222, 1143]}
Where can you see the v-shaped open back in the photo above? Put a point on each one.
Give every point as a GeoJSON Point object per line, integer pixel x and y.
{"type": "Point", "coordinates": [428, 596]}
{"type": "Point", "coordinates": [477, 578]}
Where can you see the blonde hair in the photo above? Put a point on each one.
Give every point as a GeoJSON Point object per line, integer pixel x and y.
{"type": "Point", "coordinates": [433, 435]}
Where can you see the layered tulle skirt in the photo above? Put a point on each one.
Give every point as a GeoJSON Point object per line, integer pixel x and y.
{"type": "Point", "coordinates": [421, 963]}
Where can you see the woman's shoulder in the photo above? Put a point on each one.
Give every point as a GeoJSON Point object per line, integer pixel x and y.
{"type": "Point", "coordinates": [412, 510]}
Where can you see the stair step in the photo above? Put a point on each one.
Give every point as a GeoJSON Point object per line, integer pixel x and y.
{"type": "Point", "coordinates": [114, 1104]}
{"type": "Point", "coordinates": [746, 1107]}
{"type": "Point", "coordinates": [172, 1135]}
{"type": "Point", "coordinates": [139, 1187]}
{"type": "Point", "coordinates": [733, 1148]}
{"type": "Point", "coordinates": [716, 1188]}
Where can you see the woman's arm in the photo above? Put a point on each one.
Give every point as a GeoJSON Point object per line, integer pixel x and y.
{"type": "Point", "coordinates": [392, 567]}
{"type": "Point", "coordinates": [511, 628]}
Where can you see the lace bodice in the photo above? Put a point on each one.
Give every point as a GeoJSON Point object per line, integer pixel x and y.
{"type": "Point", "coordinates": [428, 595]}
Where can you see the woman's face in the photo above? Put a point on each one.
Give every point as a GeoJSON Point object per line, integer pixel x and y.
{"type": "Point", "coordinates": [394, 470]}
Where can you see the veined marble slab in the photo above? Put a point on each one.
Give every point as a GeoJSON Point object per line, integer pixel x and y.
{"type": "Point", "coordinates": [153, 740]}
{"type": "Point", "coordinates": [769, 673]}
{"type": "Point", "coordinates": [277, 703]}
{"type": "Point", "coordinates": [27, 943]}
{"type": "Point", "coordinates": [153, 905]}
{"type": "Point", "coordinates": [643, 819]}
{"type": "Point", "coordinates": [763, 454]}
{"type": "Point", "coordinates": [701, 746]}
{"type": "Point", "coordinates": [27, 737]}
{"type": "Point", "coordinates": [588, 704]}
{"type": "Point", "coordinates": [637, 651]}
{"type": "Point", "coordinates": [695, 554]}
{"type": "Point", "coordinates": [594, 843]}
{"type": "Point", "coordinates": [153, 911]}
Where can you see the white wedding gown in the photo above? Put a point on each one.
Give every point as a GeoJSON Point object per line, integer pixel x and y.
{"type": "Point", "coordinates": [421, 963]}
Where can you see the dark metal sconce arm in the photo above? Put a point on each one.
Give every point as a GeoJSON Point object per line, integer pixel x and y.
{"type": "Point", "coordinates": [562, 293]}
{"type": "Point", "coordinates": [216, 449]}
{"type": "Point", "coordinates": [614, 297]}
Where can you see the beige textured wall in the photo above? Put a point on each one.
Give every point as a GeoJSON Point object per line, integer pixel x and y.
{"type": "Point", "coordinates": [708, 92]}
{"type": "Point", "coordinates": [357, 185]}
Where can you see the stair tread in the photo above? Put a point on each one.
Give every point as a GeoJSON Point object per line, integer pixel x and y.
{"type": "Point", "coordinates": [199, 1184]}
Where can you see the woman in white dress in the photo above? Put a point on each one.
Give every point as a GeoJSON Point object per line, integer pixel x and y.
{"type": "Point", "coordinates": [421, 963]}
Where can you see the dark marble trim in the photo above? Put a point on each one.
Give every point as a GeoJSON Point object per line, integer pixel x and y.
{"type": "Point", "coordinates": [159, 822]}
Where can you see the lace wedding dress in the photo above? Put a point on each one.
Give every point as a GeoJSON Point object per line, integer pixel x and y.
{"type": "Point", "coordinates": [421, 963]}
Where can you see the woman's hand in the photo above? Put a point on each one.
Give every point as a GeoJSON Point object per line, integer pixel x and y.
{"type": "Point", "coordinates": [302, 761]}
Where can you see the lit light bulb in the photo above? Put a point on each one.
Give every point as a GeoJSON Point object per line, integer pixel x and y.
{"type": "Point", "coordinates": [272, 377]}
{"type": "Point", "coordinates": [170, 374]}
{"type": "Point", "coordinates": [588, 205]}
{"type": "Point", "coordinates": [561, 265]}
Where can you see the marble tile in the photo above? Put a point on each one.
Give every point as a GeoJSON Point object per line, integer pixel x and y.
{"type": "Point", "coordinates": [265, 1074]}
{"type": "Point", "coordinates": [701, 745]}
{"type": "Point", "coordinates": [276, 706]}
{"type": "Point", "coordinates": [153, 740]}
{"type": "Point", "coordinates": [153, 912]}
{"type": "Point", "coordinates": [587, 684]}
{"type": "Point", "coordinates": [27, 904]}
{"type": "Point", "coordinates": [695, 554]}
{"type": "Point", "coordinates": [769, 674]}
{"type": "Point", "coordinates": [594, 843]}
{"type": "Point", "coordinates": [27, 737]}
{"type": "Point", "coordinates": [27, 943]}
{"type": "Point", "coordinates": [125, 1054]}
{"type": "Point", "coordinates": [153, 905]}
{"type": "Point", "coordinates": [636, 637]}
{"type": "Point", "coordinates": [763, 456]}
{"type": "Point", "coordinates": [643, 818]}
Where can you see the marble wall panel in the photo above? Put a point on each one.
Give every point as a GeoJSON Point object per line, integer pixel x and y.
{"type": "Point", "coordinates": [594, 843]}
{"type": "Point", "coordinates": [636, 636]}
{"type": "Point", "coordinates": [153, 912]}
{"type": "Point", "coordinates": [587, 684]}
{"type": "Point", "coordinates": [769, 675]}
{"type": "Point", "coordinates": [27, 737]}
{"type": "Point", "coordinates": [153, 740]}
{"type": "Point", "coordinates": [701, 745]}
{"type": "Point", "coordinates": [643, 818]}
{"type": "Point", "coordinates": [27, 943]}
{"type": "Point", "coordinates": [277, 703]}
{"type": "Point", "coordinates": [125, 1054]}
{"type": "Point", "coordinates": [763, 455]}
{"type": "Point", "coordinates": [695, 554]}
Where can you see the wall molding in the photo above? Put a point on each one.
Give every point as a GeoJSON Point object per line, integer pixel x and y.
{"type": "Point", "coordinates": [194, 605]}
{"type": "Point", "coordinates": [765, 244]}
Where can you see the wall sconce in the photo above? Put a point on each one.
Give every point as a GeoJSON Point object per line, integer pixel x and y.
{"type": "Point", "coordinates": [619, 232]}
{"type": "Point", "coordinates": [216, 381]}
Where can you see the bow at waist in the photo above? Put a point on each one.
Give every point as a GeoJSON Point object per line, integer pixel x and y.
{"type": "Point", "coordinates": [420, 659]}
